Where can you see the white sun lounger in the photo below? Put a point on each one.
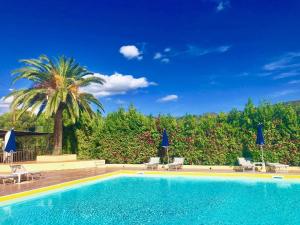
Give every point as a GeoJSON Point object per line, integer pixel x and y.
{"type": "Point", "coordinates": [21, 170]}
{"type": "Point", "coordinates": [278, 167]}
{"type": "Point", "coordinates": [8, 177]}
{"type": "Point", "coordinates": [176, 164]}
{"type": "Point", "coordinates": [247, 164]}
{"type": "Point", "coordinates": [32, 173]}
{"type": "Point", "coordinates": [153, 163]}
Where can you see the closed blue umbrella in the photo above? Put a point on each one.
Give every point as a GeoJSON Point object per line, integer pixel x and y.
{"type": "Point", "coordinates": [260, 136]}
{"type": "Point", "coordinates": [260, 141]}
{"type": "Point", "coordinates": [10, 141]}
{"type": "Point", "coordinates": [165, 143]}
{"type": "Point", "coordinates": [165, 139]}
{"type": "Point", "coordinates": [9, 145]}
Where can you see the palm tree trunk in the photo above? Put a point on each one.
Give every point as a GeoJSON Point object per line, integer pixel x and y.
{"type": "Point", "coordinates": [58, 131]}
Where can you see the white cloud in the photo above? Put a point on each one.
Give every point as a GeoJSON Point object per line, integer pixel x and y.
{"type": "Point", "coordinates": [294, 82]}
{"type": "Point", "coordinates": [196, 51]}
{"type": "Point", "coordinates": [116, 84]}
{"type": "Point", "coordinates": [264, 74]}
{"type": "Point", "coordinates": [222, 5]}
{"type": "Point", "coordinates": [168, 98]}
{"type": "Point", "coordinates": [162, 57]}
{"type": "Point", "coordinates": [131, 52]}
{"type": "Point", "coordinates": [286, 75]}
{"type": "Point", "coordinates": [4, 104]}
{"type": "Point", "coordinates": [286, 61]}
{"type": "Point", "coordinates": [165, 60]}
{"type": "Point", "coordinates": [157, 55]}
{"type": "Point", "coordinates": [192, 50]}
{"type": "Point", "coordinates": [288, 65]}
{"type": "Point", "coordinates": [284, 93]}
{"type": "Point", "coordinates": [223, 48]}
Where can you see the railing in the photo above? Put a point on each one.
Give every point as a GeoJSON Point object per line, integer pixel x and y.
{"type": "Point", "coordinates": [19, 156]}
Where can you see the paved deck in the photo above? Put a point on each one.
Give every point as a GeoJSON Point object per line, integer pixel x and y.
{"type": "Point", "coordinates": [60, 176]}
{"type": "Point", "coordinates": [51, 178]}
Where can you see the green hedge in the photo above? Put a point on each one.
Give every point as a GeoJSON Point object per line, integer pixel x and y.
{"type": "Point", "coordinates": [212, 139]}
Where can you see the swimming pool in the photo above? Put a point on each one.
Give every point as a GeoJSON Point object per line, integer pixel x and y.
{"type": "Point", "coordinates": [163, 200]}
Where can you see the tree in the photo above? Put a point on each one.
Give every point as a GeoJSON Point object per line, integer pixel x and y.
{"type": "Point", "coordinates": [55, 89]}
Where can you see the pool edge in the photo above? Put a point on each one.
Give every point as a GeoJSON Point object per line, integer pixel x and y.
{"type": "Point", "coordinates": [54, 187]}
{"type": "Point", "coordinates": [24, 194]}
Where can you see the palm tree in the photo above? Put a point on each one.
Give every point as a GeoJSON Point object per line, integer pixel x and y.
{"type": "Point", "coordinates": [55, 89]}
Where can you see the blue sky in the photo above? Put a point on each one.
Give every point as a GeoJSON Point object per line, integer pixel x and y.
{"type": "Point", "coordinates": [166, 56]}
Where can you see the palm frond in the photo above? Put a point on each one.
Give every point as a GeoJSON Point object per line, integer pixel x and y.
{"type": "Point", "coordinates": [91, 99]}
{"type": "Point", "coordinates": [83, 82]}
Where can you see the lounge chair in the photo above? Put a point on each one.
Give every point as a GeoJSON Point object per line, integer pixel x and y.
{"type": "Point", "coordinates": [176, 164]}
{"type": "Point", "coordinates": [33, 173]}
{"type": "Point", "coordinates": [153, 163]}
{"type": "Point", "coordinates": [21, 170]}
{"type": "Point", "coordinates": [8, 178]}
{"type": "Point", "coordinates": [278, 167]}
{"type": "Point", "coordinates": [247, 164]}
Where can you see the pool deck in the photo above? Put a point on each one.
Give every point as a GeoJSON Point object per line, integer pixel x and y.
{"type": "Point", "coordinates": [52, 178]}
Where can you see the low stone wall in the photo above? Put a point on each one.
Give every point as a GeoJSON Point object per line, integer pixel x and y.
{"type": "Point", "coordinates": [56, 158]}
{"type": "Point", "coordinates": [191, 167]}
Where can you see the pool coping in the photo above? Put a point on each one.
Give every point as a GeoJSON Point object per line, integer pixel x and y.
{"type": "Point", "coordinates": [73, 183]}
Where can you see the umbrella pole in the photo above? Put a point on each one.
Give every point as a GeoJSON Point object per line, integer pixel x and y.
{"type": "Point", "coordinates": [263, 169]}
{"type": "Point", "coordinates": [11, 157]}
{"type": "Point", "coordinates": [168, 155]}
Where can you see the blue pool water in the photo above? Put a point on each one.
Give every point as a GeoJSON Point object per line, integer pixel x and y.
{"type": "Point", "coordinates": [162, 200]}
